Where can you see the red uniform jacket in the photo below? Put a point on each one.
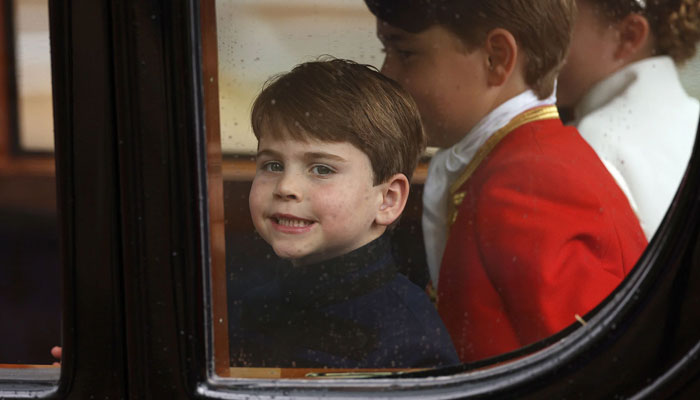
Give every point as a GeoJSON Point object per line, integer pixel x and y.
{"type": "Point", "coordinates": [541, 232]}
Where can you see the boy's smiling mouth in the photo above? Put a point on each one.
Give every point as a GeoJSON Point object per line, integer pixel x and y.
{"type": "Point", "coordinates": [290, 222]}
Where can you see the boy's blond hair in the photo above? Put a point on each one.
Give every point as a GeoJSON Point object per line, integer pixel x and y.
{"type": "Point", "coordinates": [338, 100]}
{"type": "Point", "coordinates": [542, 28]}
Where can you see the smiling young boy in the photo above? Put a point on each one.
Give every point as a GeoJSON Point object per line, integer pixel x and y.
{"type": "Point", "coordinates": [337, 143]}
{"type": "Point", "coordinates": [524, 227]}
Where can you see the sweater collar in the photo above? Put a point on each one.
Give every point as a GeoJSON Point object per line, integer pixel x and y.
{"type": "Point", "coordinates": [332, 281]}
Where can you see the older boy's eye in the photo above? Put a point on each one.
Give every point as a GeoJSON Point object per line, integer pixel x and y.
{"type": "Point", "coordinates": [394, 52]}
{"type": "Point", "coordinates": [321, 170]}
{"type": "Point", "coordinates": [273, 166]}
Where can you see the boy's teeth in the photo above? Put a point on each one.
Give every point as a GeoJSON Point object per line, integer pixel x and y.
{"type": "Point", "coordinates": [295, 223]}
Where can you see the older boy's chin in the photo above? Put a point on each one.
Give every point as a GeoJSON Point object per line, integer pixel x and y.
{"type": "Point", "coordinates": [435, 139]}
{"type": "Point", "coordinates": [442, 142]}
{"type": "Point", "coordinates": [443, 137]}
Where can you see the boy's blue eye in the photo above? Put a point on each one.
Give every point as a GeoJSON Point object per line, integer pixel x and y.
{"type": "Point", "coordinates": [273, 166]}
{"type": "Point", "coordinates": [321, 170]}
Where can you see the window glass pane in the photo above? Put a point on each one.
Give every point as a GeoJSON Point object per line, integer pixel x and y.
{"type": "Point", "coordinates": [532, 247]}
{"type": "Point", "coordinates": [30, 309]}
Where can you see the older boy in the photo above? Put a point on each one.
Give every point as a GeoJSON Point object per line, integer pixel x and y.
{"type": "Point", "coordinates": [324, 195]}
{"type": "Point", "coordinates": [524, 227]}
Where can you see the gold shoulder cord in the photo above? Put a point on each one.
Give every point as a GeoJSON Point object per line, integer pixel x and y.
{"type": "Point", "coordinates": [535, 114]}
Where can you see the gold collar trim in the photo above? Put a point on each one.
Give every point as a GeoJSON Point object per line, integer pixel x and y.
{"type": "Point", "coordinates": [535, 114]}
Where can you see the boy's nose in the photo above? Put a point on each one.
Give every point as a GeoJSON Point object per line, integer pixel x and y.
{"type": "Point", "coordinates": [288, 187]}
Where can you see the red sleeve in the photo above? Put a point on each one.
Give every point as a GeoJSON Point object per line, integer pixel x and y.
{"type": "Point", "coordinates": [548, 244]}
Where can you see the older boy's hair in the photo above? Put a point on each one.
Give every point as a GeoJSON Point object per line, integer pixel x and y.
{"type": "Point", "coordinates": [338, 100]}
{"type": "Point", "coordinates": [542, 28]}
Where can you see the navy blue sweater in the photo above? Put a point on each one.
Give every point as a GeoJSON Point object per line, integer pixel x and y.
{"type": "Point", "coordinates": [353, 311]}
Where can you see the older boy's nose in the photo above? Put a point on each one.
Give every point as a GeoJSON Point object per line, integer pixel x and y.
{"type": "Point", "coordinates": [387, 68]}
{"type": "Point", "coordinates": [288, 187]}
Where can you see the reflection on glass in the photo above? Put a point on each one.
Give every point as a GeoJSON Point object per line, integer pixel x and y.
{"type": "Point", "coordinates": [29, 254]}
{"type": "Point", "coordinates": [258, 39]}
{"type": "Point", "coordinates": [33, 75]}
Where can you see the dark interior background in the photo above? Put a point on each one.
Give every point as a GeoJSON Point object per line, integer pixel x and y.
{"type": "Point", "coordinates": [30, 300]}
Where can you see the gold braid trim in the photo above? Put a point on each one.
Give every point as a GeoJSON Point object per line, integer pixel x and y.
{"type": "Point", "coordinates": [535, 114]}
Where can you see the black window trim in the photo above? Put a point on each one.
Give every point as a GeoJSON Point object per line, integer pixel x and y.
{"type": "Point", "coordinates": [87, 202]}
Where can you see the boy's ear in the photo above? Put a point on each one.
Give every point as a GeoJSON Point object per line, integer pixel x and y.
{"type": "Point", "coordinates": [634, 34]}
{"type": "Point", "coordinates": [502, 51]}
{"type": "Point", "coordinates": [394, 197]}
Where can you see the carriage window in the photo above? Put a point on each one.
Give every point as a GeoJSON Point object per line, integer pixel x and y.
{"type": "Point", "coordinates": [275, 316]}
{"type": "Point", "coordinates": [29, 257]}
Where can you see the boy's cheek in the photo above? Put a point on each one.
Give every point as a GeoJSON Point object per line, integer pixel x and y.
{"type": "Point", "coordinates": [333, 205]}
{"type": "Point", "coordinates": [259, 187]}
{"type": "Point", "coordinates": [255, 204]}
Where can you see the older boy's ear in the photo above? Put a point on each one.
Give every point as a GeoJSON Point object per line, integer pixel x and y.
{"type": "Point", "coordinates": [634, 40]}
{"type": "Point", "coordinates": [395, 194]}
{"type": "Point", "coordinates": [502, 51]}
